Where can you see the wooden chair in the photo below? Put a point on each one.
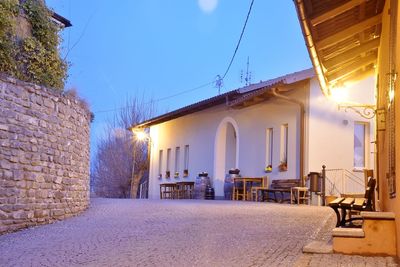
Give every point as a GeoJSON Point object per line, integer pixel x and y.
{"type": "Point", "coordinates": [184, 190]}
{"type": "Point", "coordinates": [167, 190]}
{"type": "Point", "coordinates": [255, 190]}
{"type": "Point", "coordinates": [238, 190]}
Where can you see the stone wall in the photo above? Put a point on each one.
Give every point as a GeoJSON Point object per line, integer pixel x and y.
{"type": "Point", "coordinates": [44, 155]}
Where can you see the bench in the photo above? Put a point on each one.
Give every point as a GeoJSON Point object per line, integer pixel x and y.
{"type": "Point", "coordinates": [346, 206]}
{"type": "Point", "coordinates": [280, 190]}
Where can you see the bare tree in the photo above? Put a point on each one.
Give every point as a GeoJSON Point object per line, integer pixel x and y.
{"type": "Point", "coordinates": [112, 167]}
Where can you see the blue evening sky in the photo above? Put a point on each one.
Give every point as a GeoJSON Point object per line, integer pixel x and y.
{"type": "Point", "coordinates": [159, 48]}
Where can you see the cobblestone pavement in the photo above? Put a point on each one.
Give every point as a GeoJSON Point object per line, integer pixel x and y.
{"type": "Point", "coordinates": [117, 232]}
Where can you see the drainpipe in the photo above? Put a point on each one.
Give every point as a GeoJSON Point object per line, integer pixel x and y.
{"type": "Point", "coordinates": [302, 125]}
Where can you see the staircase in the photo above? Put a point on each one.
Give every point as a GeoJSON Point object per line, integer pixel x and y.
{"type": "Point", "coordinates": [342, 181]}
{"type": "Point", "coordinates": [376, 237]}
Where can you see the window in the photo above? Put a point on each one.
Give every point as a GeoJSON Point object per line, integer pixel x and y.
{"type": "Point", "coordinates": [177, 160]}
{"type": "Point", "coordinates": [284, 143]}
{"type": "Point", "coordinates": [186, 161]}
{"type": "Point", "coordinates": [160, 160]}
{"type": "Point", "coordinates": [168, 167]}
{"type": "Point", "coordinates": [269, 148]}
{"type": "Point", "coordinates": [360, 148]}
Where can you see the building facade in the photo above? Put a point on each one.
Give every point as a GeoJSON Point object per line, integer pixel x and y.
{"type": "Point", "coordinates": [284, 121]}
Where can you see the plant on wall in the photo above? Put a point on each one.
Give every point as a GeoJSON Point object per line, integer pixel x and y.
{"type": "Point", "coordinates": [35, 58]}
{"type": "Point", "coordinates": [8, 13]}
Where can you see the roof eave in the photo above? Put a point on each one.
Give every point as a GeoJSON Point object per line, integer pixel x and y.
{"type": "Point", "coordinates": [311, 46]}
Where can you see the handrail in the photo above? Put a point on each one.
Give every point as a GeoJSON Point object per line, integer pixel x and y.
{"type": "Point", "coordinates": [338, 181]}
{"type": "Point", "coordinates": [353, 177]}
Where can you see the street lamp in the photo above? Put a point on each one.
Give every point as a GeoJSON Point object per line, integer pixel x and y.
{"type": "Point", "coordinates": [141, 136]}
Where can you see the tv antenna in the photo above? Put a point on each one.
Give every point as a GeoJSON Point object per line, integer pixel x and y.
{"type": "Point", "coordinates": [247, 78]}
{"type": "Point", "coordinates": [219, 82]}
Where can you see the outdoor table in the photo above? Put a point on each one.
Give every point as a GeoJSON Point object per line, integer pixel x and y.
{"type": "Point", "coordinates": [167, 190]}
{"type": "Point", "coordinates": [245, 180]}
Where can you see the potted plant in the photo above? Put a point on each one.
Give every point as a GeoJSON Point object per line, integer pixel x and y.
{"type": "Point", "coordinates": [167, 174]}
{"type": "Point", "coordinates": [185, 173]}
{"type": "Point", "coordinates": [176, 175]}
{"type": "Point", "coordinates": [268, 169]}
{"type": "Point", "coordinates": [283, 166]}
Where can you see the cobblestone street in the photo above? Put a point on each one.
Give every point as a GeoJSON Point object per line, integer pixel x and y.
{"type": "Point", "coordinates": [117, 232]}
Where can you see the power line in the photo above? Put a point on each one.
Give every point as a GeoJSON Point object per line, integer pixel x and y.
{"type": "Point", "coordinates": [162, 98]}
{"type": "Point", "coordinates": [81, 35]}
{"type": "Point", "coordinates": [218, 80]}
{"type": "Point", "coordinates": [240, 39]}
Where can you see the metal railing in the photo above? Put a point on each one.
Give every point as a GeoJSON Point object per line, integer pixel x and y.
{"type": "Point", "coordinates": [342, 181]}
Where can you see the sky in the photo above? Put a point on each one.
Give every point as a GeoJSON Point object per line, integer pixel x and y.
{"type": "Point", "coordinates": [157, 49]}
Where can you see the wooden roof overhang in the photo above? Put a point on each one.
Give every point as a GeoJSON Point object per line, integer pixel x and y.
{"type": "Point", "coordinates": [342, 38]}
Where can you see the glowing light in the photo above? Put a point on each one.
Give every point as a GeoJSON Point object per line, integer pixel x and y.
{"type": "Point", "coordinates": [339, 95]}
{"type": "Point", "coordinates": [391, 96]}
{"type": "Point", "coordinates": [140, 135]}
{"type": "Point", "coordinates": [208, 6]}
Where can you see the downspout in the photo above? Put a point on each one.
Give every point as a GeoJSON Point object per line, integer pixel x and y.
{"type": "Point", "coordinates": [311, 46]}
{"type": "Point", "coordinates": [302, 125]}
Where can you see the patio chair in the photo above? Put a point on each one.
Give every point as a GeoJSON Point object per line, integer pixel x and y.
{"type": "Point", "coordinates": [255, 190]}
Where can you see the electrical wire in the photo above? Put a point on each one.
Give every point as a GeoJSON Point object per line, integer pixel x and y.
{"type": "Point", "coordinates": [162, 98]}
{"type": "Point", "coordinates": [200, 86]}
{"type": "Point", "coordinates": [240, 39]}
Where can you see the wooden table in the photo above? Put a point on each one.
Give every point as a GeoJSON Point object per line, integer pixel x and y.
{"type": "Point", "coordinates": [244, 180]}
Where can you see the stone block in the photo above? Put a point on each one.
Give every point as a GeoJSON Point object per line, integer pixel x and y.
{"type": "Point", "coordinates": [5, 164]}
{"type": "Point", "coordinates": [58, 212]}
{"type": "Point", "coordinates": [3, 215]}
{"type": "Point", "coordinates": [41, 213]}
{"type": "Point", "coordinates": [4, 127]}
{"type": "Point", "coordinates": [58, 180]}
{"type": "Point", "coordinates": [59, 195]}
{"type": "Point", "coordinates": [48, 103]}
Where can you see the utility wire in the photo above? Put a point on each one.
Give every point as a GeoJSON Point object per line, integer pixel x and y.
{"type": "Point", "coordinates": [162, 98]}
{"type": "Point", "coordinates": [81, 35]}
{"type": "Point", "coordinates": [218, 79]}
{"type": "Point", "coordinates": [240, 39]}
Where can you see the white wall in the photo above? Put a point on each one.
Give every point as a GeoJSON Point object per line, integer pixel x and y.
{"type": "Point", "coordinates": [330, 132]}
{"type": "Point", "coordinates": [199, 131]}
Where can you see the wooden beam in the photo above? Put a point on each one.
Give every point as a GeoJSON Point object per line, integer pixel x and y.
{"type": "Point", "coordinates": [336, 11]}
{"type": "Point", "coordinates": [337, 75]}
{"type": "Point", "coordinates": [337, 37]}
{"type": "Point", "coordinates": [352, 53]}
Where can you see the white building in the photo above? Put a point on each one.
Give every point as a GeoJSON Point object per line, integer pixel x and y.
{"type": "Point", "coordinates": [259, 125]}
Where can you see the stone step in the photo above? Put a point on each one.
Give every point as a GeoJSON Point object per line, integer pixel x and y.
{"type": "Point", "coordinates": [348, 232]}
{"type": "Point", "coordinates": [318, 247]}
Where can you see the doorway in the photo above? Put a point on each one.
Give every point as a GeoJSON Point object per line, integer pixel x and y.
{"type": "Point", "coordinates": [226, 153]}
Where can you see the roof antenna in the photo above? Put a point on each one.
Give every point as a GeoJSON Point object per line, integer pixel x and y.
{"type": "Point", "coordinates": [247, 79]}
{"type": "Point", "coordinates": [219, 82]}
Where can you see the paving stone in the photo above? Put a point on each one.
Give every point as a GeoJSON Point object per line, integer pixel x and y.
{"type": "Point", "coordinates": [118, 232]}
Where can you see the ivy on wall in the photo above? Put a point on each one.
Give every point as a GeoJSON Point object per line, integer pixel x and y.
{"type": "Point", "coordinates": [35, 58]}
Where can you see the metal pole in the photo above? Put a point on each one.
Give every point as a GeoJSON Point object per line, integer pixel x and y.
{"type": "Point", "coordinates": [133, 167]}
{"type": "Point", "coordinates": [323, 184]}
